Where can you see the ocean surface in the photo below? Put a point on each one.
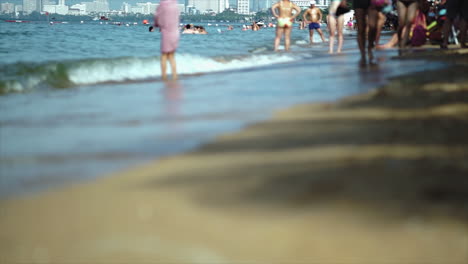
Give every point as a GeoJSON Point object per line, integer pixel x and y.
{"type": "Point", "coordinates": [83, 100]}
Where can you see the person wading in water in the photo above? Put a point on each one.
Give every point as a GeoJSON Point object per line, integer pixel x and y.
{"type": "Point", "coordinates": [285, 21]}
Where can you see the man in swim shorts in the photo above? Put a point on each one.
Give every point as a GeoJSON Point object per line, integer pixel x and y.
{"type": "Point", "coordinates": [315, 16]}
{"type": "Point", "coordinates": [285, 20]}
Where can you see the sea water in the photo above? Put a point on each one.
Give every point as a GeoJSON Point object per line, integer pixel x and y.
{"type": "Point", "coordinates": [83, 100]}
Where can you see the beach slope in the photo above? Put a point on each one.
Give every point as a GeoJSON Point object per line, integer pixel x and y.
{"type": "Point", "coordinates": [380, 177]}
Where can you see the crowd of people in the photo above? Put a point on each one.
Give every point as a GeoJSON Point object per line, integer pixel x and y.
{"type": "Point", "coordinates": [415, 21]}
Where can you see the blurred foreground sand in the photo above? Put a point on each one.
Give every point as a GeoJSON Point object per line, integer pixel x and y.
{"type": "Point", "coordinates": [375, 178]}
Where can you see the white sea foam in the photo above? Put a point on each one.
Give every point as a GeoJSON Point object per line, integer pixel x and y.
{"type": "Point", "coordinates": [95, 71]}
{"type": "Point", "coordinates": [302, 42]}
{"type": "Point", "coordinates": [116, 70]}
{"type": "Point", "coordinates": [143, 68]}
{"type": "Point", "coordinates": [190, 64]}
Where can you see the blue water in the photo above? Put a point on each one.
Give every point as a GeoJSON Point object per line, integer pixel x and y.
{"type": "Point", "coordinates": [83, 100]}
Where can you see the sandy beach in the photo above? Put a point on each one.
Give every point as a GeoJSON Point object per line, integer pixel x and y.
{"type": "Point", "coordinates": [380, 177]}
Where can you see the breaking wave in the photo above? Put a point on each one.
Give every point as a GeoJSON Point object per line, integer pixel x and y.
{"type": "Point", "coordinates": [22, 77]}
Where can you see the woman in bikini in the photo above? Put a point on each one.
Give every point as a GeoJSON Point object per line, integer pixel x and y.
{"type": "Point", "coordinates": [285, 20]}
{"type": "Point", "coordinates": [406, 13]}
{"type": "Point", "coordinates": [335, 25]}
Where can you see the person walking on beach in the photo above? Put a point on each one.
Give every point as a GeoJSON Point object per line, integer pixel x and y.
{"type": "Point", "coordinates": [167, 19]}
{"type": "Point", "coordinates": [315, 16]}
{"type": "Point", "coordinates": [335, 25]}
{"type": "Point", "coordinates": [367, 19]}
{"type": "Point", "coordinates": [454, 8]}
{"type": "Point", "coordinates": [285, 20]}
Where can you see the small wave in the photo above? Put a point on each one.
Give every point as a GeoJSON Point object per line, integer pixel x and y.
{"type": "Point", "coordinates": [260, 50]}
{"type": "Point", "coordinates": [23, 77]}
{"type": "Point", "coordinates": [302, 42]}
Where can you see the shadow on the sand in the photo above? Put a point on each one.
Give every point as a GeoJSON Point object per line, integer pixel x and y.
{"type": "Point", "coordinates": [420, 90]}
{"type": "Point", "coordinates": [390, 154]}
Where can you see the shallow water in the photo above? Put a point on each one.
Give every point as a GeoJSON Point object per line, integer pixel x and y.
{"type": "Point", "coordinates": [81, 100]}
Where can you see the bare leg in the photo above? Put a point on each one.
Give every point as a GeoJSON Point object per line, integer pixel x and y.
{"type": "Point", "coordinates": [380, 22]}
{"type": "Point", "coordinates": [163, 66]}
{"type": "Point", "coordinates": [331, 30]}
{"type": "Point", "coordinates": [406, 21]}
{"type": "Point", "coordinates": [463, 27]}
{"type": "Point", "coordinates": [287, 38]}
{"type": "Point", "coordinates": [321, 34]}
{"type": "Point", "coordinates": [446, 32]}
{"type": "Point", "coordinates": [410, 16]}
{"type": "Point", "coordinates": [391, 43]}
{"type": "Point", "coordinates": [334, 24]}
{"type": "Point", "coordinates": [311, 36]}
{"type": "Point", "coordinates": [373, 17]}
{"type": "Point", "coordinates": [339, 26]}
{"type": "Point", "coordinates": [279, 33]}
{"type": "Point", "coordinates": [361, 27]}
{"type": "Point", "coordinates": [171, 57]}
{"type": "Point", "coordinates": [401, 9]}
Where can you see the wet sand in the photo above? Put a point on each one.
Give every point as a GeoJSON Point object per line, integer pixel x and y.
{"type": "Point", "coordinates": [380, 177]}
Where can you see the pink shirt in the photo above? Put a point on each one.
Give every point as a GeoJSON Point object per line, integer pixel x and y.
{"type": "Point", "coordinates": [167, 19]}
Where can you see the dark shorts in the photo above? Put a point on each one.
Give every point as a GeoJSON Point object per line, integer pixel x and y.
{"type": "Point", "coordinates": [407, 2]}
{"type": "Point", "coordinates": [313, 26]}
{"type": "Point", "coordinates": [457, 7]}
{"type": "Point", "coordinates": [364, 4]}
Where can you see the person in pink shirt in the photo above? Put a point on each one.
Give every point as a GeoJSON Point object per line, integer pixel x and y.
{"type": "Point", "coordinates": [167, 19]}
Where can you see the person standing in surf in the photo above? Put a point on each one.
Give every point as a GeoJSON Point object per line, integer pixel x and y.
{"type": "Point", "coordinates": [367, 20]}
{"type": "Point", "coordinates": [167, 19]}
{"type": "Point", "coordinates": [285, 19]}
{"type": "Point", "coordinates": [315, 16]}
{"type": "Point", "coordinates": [335, 25]}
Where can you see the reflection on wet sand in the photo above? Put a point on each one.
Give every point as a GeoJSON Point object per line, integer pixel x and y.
{"type": "Point", "coordinates": [173, 100]}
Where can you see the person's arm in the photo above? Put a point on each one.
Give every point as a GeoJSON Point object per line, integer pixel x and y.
{"type": "Point", "coordinates": [156, 16]}
{"type": "Point", "coordinates": [298, 11]}
{"type": "Point", "coordinates": [273, 10]}
{"type": "Point", "coordinates": [304, 16]}
{"type": "Point", "coordinates": [320, 16]}
{"type": "Point", "coordinates": [155, 23]}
